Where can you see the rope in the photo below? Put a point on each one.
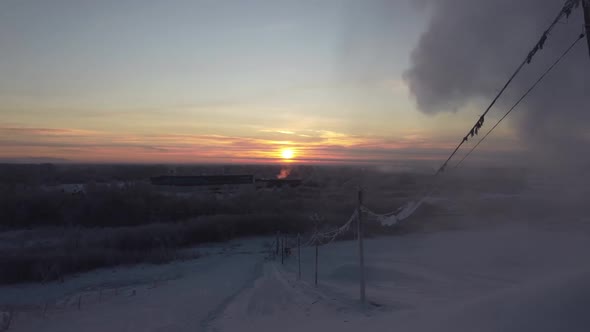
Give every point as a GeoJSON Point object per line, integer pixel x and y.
{"type": "Point", "coordinates": [547, 71]}
{"type": "Point", "coordinates": [565, 11]}
{"type": "Point", "coordinates": [311, 241]}
{"type": "Point", "coordinates": [329, 237]}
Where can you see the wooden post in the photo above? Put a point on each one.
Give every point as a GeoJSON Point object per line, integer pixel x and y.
{"type": "Point", "coordinates": [271, 251]}
{"type": "Point", "coordinates": [361, 249]}
{"type": "Point", "coordinates": [299, 256]}
{"type": "Point", "coordinates": [282, 248]}
{"type": "Point", "coordinates": [277, 253]}
{"type": "Point", "coordinates": [316, 263]}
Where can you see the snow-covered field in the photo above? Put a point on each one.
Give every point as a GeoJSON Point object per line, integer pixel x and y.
{"type": "Point", "coordinates": [490, 279]}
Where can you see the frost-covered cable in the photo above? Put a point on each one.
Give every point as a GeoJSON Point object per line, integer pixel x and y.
{"type": "Point", "coordinates": [580, 37]}
{"type": "Point", "coordinates": [328, 237]}
{"type": "Point", "coordinates": [402, 213]}
{"type": "Point", "coordinates": [311, 240]}
{"type": "Point", "coordinates": [565, 11]}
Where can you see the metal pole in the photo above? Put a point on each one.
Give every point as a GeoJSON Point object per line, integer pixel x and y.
{"type": "Point", "coordinates": [361, 249]}
{"type": "Point", "coordinates": [299, 256]}
{"type": "Point", "coordinates": [586, 8]}
{"type": "Point", "coordinates": [316, 264]}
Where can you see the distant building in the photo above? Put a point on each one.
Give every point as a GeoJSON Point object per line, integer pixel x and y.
{"type": "Point", "coordinates": [221, 183]}
{"type": "Point", "coordinates": [204, 180]}
{"type": "Point", "coordinates": [277, 183]}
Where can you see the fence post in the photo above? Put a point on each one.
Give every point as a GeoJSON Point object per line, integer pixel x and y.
{"type": "Point", "coordinates": [299, 256]}
{"type": "Point", "coordinates": [283, 249]}
{"type": "Point", "coordinates": [277, 244]}
{"type": "Point", "coordinates": [316, 263]}
{"type": "Point", "coordinates": [361, 249]}
{"type": "Point", "coordinates": [271, 250]}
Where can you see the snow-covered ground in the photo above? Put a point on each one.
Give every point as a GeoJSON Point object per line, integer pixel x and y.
{"type": "Point", "coordinates": [486, 262]}
{"type": "Point", "coordinates": [504, 278]}
{"type": "Point", "coordinates": [183, 296]}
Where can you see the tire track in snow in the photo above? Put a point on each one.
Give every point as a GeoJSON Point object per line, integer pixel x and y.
{"type": "Point", "coordinates": [275, 302]}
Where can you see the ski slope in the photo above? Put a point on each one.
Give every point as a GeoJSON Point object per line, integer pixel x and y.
{"type": "Point", "coordinates": [182, 296]}
{"type": "Point", "coordinates": [503, 278]}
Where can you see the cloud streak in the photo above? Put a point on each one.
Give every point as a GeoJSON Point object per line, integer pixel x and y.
{"type": "Point", "coordinates": [311, 146]}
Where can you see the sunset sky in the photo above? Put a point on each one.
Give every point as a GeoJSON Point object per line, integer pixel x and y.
{"type": "Point", "coordinates": [198, 81]}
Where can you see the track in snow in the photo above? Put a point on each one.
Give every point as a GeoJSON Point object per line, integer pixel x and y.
{"type": "Point", "coordinates": [277, 302]}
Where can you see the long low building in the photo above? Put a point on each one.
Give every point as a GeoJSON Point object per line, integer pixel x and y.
{"type": "Point", "coordinates": [203, 180]}
{"type": "Point", "coordinates": [219, 180]}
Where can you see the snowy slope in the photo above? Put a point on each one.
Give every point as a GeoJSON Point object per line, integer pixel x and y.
{"type": "Point", "coordinates": [484, 279]}
{"type": "Point", "coordinates": [185, 303]}
{"type": "Point", "coordinates": [505, 279]}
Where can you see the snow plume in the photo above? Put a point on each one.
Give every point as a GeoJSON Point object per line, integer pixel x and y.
{"type": "Point", "coordinates": [471, 47]}
{"type": "Point", "coordinates": [285, 172]}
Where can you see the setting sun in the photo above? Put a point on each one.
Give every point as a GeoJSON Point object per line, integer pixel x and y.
{"type": "Point", "coordinates": [287, 153]}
